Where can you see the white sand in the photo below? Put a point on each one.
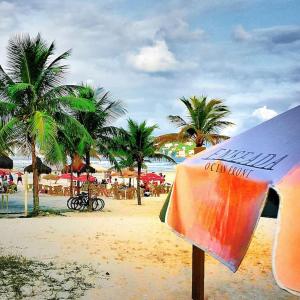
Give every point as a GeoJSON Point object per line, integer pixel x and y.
{"type": "Point", "coordinates": [144, 258]}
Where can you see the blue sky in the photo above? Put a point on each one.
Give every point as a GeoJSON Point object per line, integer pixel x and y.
{"type": "Point", "coordinates": [151, 53]}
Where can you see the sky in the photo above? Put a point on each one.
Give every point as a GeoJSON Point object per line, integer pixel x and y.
{"type": "Point", "coordinates": [149, 54]}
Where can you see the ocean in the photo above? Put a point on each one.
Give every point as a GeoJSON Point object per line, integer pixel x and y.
{"type": "Point", "coordinates": [153, 166]}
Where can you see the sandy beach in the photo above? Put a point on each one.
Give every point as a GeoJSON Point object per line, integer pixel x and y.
{"type": "Point", "coordinates": [142, 258]}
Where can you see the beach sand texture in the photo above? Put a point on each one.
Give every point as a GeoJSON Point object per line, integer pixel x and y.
{"type": "Point", "coordinates": [144, 258]}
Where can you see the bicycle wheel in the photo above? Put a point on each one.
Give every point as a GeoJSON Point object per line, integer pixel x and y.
{"type": "Point", "coordinates": [100, 203]}
{"type": "Point", "coordinates": [76, 204]}
{"type": "Point", "coordinates": [95, 203]}
{"type": "Point", "coordinates": [69, 202]}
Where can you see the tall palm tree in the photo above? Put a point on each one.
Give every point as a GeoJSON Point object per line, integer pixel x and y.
{"type": "Point", "coordinates": [137, 143]}
{"type": "Point", "coordinates": [69, 136]}
{"type": "Point", "coordinates": [33, 100]}
{"type": "Point", "coordinates": [205, 118]}
{"type": "Point", "coordinates": [99, 122]}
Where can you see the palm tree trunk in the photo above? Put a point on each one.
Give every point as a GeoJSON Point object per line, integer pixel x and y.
{"type": "Point", "coordinates": [198, 149]}
{"type": "Point", "coordinates": [138, 184]}
{"type": "Point", "coordinates": [89, 193]}
{"type": "Point", "coordinates": [88, 162]}
{"type": "Point", "coordinates": [88, 158]}
{"type": "Point", "coordinates": [35, 179]}
{"type": "Point", "coordinates": [71, 183]}
{"type": "Point", "coordinates": [77, 186]}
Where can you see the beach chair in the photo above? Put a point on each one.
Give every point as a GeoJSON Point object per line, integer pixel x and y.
{"type": "Point", "coordinates": [109, 192]}
{"type": "Point", "coordinates": [116, 193]}
{"type": "Point", "coordinates": [122, 194]}
{"type": "Point", "coordinates": [130, 193]}
{"type": "Point", "coordinates": [58, 190]}
{"type": "Point", "coordinates": [84, 187]}
{"type": "Point", "coordinates": [67, 191]}
{"type": "Point", "coordinates": [156, 191]}
{"type": "Point", "coordinates": [46, 189]}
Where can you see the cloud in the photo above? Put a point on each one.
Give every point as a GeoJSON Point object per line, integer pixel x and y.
{"type": "Point", "coordinates": [263, 113]}
{"type": "Point", "coordinates": [240, 34]}
{"type": "Point", "coordinates": [149, 54]}
{"type": "Point", "coordinates": [176, 29]}
{"type": "Point", "coordinates": [156, 58]}
{"type": "Point", "coordinates": [270, 37]}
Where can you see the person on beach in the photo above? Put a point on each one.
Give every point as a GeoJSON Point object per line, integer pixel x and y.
{"type": "Point", "coordinates": [19, 179]}
{"type": "Point", "coordinates": [4, 184]}
{"type": "Point", "coordinates": [10, 177]}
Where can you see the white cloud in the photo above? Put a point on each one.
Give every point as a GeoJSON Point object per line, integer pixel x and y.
{"type": "Point", "coordinates": [263, 113]}
{"type": "Point", "coordinates": [279, 37]}
{"type": "Point", "coordinates": [240, 34]}
{"type": "Point", "coordinates": [183, 60]}
{"type": "Point", "coordinates": [156, 58]}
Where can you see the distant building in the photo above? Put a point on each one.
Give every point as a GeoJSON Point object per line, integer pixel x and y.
{"type": "Point", "coordinates": [191, 152]}
{"type": "Point", "coordinates": [181, 153]}
{"type": "Point", "coordinates": [168, 145]}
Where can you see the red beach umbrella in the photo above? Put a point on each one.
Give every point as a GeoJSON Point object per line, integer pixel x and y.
{"type": "Point", "coordinates": [152, 177]}
{"type": "Point", "coordinates": [68, 176]}
{"type": "Point", "coordinates": [4, 172]}
{"type": "Point", "coordinates": [83, 178]}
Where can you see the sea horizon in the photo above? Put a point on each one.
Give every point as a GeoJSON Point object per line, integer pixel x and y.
{"type": "Point", "coordinates": [20, 162]}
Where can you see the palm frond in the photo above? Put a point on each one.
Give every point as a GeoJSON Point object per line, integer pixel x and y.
{"type": "Point", "coordinates": [21, 88]}
{"type": "Point", "coordinates": [7, 133]}
{"type": "Point", "coordinates": [160, 157]}
{"type": "Point", "coordinates": [6, 108]}
{"type": "Point", "coordinates": [177, 120]}
{"type": "Point", "coordinates": [76, 103]}
{"type": "Point", "coordinates": [43, 130]}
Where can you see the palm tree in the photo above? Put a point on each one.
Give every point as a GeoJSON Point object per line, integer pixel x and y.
{"type": "Point", "coordinates": [69, 136]}
{"type": "Point", "coordinates": [137, 143]}
{"type": "Point", "coordinates": [98, 122]}
{"type": "Point", "coordinates": [205, 119]}
{"type": "Point", "coordinates": [34, 101]}
{"type": "Point", "coordinates": [126, 161]}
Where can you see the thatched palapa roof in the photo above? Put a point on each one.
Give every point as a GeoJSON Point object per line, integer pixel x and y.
{"type": "Point", "coordinates": [42, 169]}
{"type": "Point", "coordinates": [6, 162]}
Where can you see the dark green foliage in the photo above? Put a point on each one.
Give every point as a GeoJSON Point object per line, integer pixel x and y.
{"type": "Point", "coordinates": [205, 118]}
{"type": "Point", "coordinates": [34, 102]}
{"type": "Point", "coordinates": [99, 122]}
{"type": "Point", "coordinates": [136, 145]}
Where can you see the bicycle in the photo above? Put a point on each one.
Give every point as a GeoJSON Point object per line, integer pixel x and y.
{"type": "Point", "coordinates": [81, 201]}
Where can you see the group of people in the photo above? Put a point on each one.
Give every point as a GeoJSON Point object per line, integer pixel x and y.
{"type": "Point", "coordinates": [8, 181]}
